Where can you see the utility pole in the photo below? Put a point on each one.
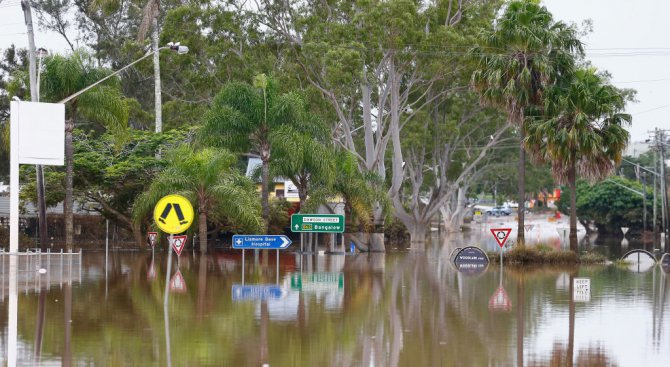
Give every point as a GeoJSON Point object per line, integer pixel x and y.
{"type": "Point", "coordinates": [659, 145]}
{"type": "Point", "coordinates": [34, 97]}
{"type": "Point", "coordinates": [660, 140]}
{"type": "Point", "coordinates": [644, 203]}
{"type": "Point", "coordinates": [655, 206]}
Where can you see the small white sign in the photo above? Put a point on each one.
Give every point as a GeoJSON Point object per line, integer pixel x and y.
{"type": "Point", "coordinates": [581, 289]}
{"type": "Point", "coordinates": [290, 190]}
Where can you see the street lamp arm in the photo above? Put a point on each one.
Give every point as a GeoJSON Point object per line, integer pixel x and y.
{"type": "Point", "coordinates": [625, 187]}
{"type": "Point", "coordinates": [77, 94]}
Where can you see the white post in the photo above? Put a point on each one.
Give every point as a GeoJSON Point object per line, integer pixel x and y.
{"type": "Point", "coordinates": [12, 322]}
{"type": "Point", "coordinates": [14, 178]}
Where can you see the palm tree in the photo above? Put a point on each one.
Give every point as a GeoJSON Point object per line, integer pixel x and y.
{"type": "Point", "coordinates": [62, 77]}
{"type": "Point", "coordinates": [305, 159]}
{"type": "Point", "coordinates": [518, 59]}
{"type": "Point", "coordinates": [247, 118]}
{"type": "Point", "coordinates": [583, 132]}
{"type": "Point", "coordinates": [209, 180]}
{"type": "Point", "coordinates": [356, 189]}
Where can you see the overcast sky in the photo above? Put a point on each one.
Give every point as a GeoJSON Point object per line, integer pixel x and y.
{"type": "Point", "coordinates": [630, 39]}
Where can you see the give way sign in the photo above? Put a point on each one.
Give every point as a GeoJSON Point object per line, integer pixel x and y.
{"type": "Point", "coordinates": [501, 235]}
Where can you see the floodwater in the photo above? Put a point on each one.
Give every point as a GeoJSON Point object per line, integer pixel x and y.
{"type": "Point", "coordinates": [397, 309]}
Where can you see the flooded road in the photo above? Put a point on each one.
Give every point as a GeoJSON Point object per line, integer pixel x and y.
{"type": "Point", "coordinates": [399, 309]}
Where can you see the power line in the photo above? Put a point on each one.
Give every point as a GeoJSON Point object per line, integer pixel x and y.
{"type": "Point", "coordinates": [651, 109]}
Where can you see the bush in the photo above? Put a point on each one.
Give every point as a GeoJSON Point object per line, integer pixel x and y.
{"type": "Point", "coordinates": [543, 254]}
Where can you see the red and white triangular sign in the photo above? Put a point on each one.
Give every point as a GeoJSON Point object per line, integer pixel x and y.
{"type": "Point", "coordinates": [177, 283]}
{"type": "Point", "coordinates": [178, 243]}
{"type": "Point", "coordinates": [151, 273]}
{"type": "Point", "coordinates": [151, 238]}
{"type": "Point", "coordinates": [499, 301]}
{"type": "Point", "coordinates": [501, 235]}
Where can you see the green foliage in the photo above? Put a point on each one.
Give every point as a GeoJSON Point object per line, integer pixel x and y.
{"type": "Point", "coordinates": [521, 55]}
{"type": "Point", "coordinates": [583, 130]}
{"type": "Point", "coordinates": [114, 175]}
{"type": "Point", "coordinates": [208, 179]}
{"type": "Point", "coordinates": [609, 205]}
{"type": "Point", "coordinates": [279, 218]}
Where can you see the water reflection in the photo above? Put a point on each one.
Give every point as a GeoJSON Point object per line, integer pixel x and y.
{"type": "Point", "coordinates": [402, 309]}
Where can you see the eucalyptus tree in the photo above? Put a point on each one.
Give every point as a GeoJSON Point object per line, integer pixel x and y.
{"type": "Point", "coordinates": [247, 118]}
{"type": "Point", "coordinates": [583, 133]}
{"type": "Point", "coordinates": [518, 57]}
{"type": "Point", "coordinates": [375, 62]}
{"type": "Point", "coordinates": [104, 105]}
{"type": "Point", "coordinates": [209, 179]}
{"type": "Point", "coordinates": [444, 152]}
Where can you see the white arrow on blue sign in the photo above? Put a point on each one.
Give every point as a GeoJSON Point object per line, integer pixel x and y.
{"type": "Point", "coordinates": [265, 242]}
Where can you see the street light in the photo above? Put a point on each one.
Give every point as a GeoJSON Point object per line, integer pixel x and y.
{"type": "Point", "coordinates": [41, 52]}
{"type": "Point", "coordinates": [174, 46]}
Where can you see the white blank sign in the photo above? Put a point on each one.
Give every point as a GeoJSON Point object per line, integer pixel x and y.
{"type": "Point", "coordinates": [41, 132]}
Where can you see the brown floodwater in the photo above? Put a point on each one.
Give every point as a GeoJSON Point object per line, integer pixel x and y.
{"type": "Point", "coordinates": [397, 309]}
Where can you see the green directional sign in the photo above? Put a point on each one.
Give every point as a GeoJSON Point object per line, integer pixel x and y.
{"type": "Point", "coordinates": [321, 223]}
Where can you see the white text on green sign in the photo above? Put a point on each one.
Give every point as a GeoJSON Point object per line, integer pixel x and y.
{"type": "Point", "coordinates": [330, 223]}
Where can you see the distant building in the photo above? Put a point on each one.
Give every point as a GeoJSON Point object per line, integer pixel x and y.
{"type": "Point", "coordinates": [280, 187]}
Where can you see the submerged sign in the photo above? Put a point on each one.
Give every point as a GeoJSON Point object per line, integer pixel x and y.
{"type": "Point", "coordinates": [256, 292]}
{"type": "Point", "coordinates": [581, 289]}
{"type": "Point", "coordinates": [471, 260]}
{"type": "Point", "coordinates": [665, 263]}
{"type": "Point", "coordinates": [322, 223]}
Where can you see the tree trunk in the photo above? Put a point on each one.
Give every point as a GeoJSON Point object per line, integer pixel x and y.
{"type": "Point", "coordinates": [69, 200]}
{"type": "Point", "coordinates": [574, 246]}
{"type": "Point", "coordinates": [521, 197]}
{"type": "Point", "coordinates": [157, 77]}
{"type": "Point", "coordinates": [138, 235]}
{"type": "Point", "coordinates": [265, 320]}
{"type": "Point", "coordinates": [67, 342]}
{"type": "Point", "coordinates": [265, 189]}
{"type": "Point", "coordinates": [571, 323]}
{"type": "Point", "coordinates": [202, 286]}
{"type": "Point", "coordinates": [520, 294]}
{"type": "Point", "coordinates": [417, 236]}
{"type": "Point", "coordinates": [202, 231]}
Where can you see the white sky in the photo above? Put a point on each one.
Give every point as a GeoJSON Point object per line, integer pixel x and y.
{"type": "Point", "coordinates": [629, 39]}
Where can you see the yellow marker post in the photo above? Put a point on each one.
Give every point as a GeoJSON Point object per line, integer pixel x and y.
{"type": "Point", "coordinates": [173, 214]}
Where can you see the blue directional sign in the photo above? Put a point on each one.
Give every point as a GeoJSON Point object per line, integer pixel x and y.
{"type": "Point", "coordinates": [265, 242]}
{"type": "Point", "coordinates": [256, 292]}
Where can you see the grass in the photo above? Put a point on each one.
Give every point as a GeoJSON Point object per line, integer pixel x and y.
{"type": "Point", "coordinates": [543, 254]}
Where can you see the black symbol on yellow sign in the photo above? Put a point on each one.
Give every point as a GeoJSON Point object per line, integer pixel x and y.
{"type": "Point", "coordinates": [177, 209]}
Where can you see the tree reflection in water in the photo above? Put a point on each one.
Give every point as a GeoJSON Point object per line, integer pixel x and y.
{"type": "Point", "coordinates": [397, 309]}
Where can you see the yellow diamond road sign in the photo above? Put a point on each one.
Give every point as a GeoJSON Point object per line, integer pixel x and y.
{"type": "Point", "coordinates": [173, 214]}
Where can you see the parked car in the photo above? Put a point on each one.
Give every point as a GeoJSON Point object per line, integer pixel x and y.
{"type": "Point", "coordinates": [497, 211]}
